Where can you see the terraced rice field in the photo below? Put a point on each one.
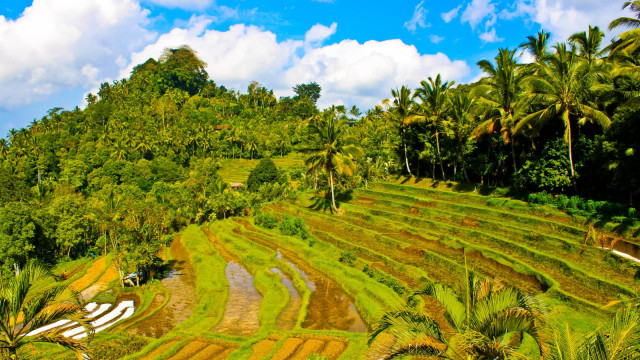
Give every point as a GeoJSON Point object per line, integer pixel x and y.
{"type": "Point", "coordinates": [237, 170]}
{"type": "Point", "coordinates": [239, 291]}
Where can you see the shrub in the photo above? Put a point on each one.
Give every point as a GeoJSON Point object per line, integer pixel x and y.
{"type": "Point", "coordinates": [265, 172]}
{"type": "Point", "coordinates": [294, 226]}
{"type": "Point", "coordinates": [266, 221]}
{"type": "Point", "coordinates": [347, 258]}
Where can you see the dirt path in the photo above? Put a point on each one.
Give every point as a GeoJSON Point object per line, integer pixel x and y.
{"type": "Point", "coordinates": [91, 275]}
{"type": "Point", "coordinates": [101, 284]}
{"type": "Point", "coordinates": [180, 285]}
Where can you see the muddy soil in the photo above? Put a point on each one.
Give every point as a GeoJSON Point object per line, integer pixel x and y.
{"type": "Point", "coordinates": [329, 306]}
{"type": "Point", "coordinates": [242, 311]}
{"type": "Point", "coordinates": [289, 316]}
{"type": "Point", "coordinates": [180, 284]}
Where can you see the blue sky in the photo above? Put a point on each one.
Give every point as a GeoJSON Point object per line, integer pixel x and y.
{"type": "Point", "coordinates": [53, 52]}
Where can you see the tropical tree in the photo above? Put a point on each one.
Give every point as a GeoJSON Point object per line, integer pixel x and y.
{"type": "Point", "coordinates": [562, 86]}
{"type": "Point", "coordinates": [589, 43]}
{"type": "Point", "coordinates": [489, 319]}
{"type": "Point", "coordinates": [433, 106]}
{"type": "Point", "coordinates": [537, 46]}
{"type": "Point", "coordinates": [402, 115]}
{"type": "Point", "coordinates": [625, 21]}
{"type": "Point", "coordinates": [332, 149]}
{"type": "Point", "coordinates": [463, 111]}
{"type": "Point", "coordinates": [502, 93]}
{"type": "Point", "coordinates": [23, 311]}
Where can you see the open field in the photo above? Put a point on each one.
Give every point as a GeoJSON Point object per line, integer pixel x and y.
{"type": "Point", "coordinates": [240, 291]}
{"type": "Point", "coordinates": [237, 170]}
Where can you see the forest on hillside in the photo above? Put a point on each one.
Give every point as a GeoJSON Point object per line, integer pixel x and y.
{"type": "Point", "coordinates": [141, 160]}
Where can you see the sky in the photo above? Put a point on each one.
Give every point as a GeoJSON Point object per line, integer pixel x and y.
{"type": "Point", "coordinates": [54, 52]}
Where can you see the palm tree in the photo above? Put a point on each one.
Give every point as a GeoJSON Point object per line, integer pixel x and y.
{"type": "Point", "coordinates": [589, 44]}
{"type": "Point", "coordinates": [501, 92]}
{"type": "Point", "coordinates": [402, 115]}
{"type": "Point", "coordinates": [488, 317]}
{"type": "Point", "coordinates": [22, 310]}
{"type": "Point", "coordinates": [627, 21]}
{"type": "Point", "coordinates": [462, 113]}
{"type": "Point", "coordinates": [433, 98]}
{"type": "Point", "coordinates": [537, 46]}
{"type": "Point", "coordinates": [562, 85]}
{"type": "Point", "coordinates": [332, 149]}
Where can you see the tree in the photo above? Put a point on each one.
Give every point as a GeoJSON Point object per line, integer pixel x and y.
{"type": "Point", "coordinates": [331, 148]}
{"type": "Point", "coordinates": [462, 114]}
{"type": "Point", "coordinates": [402, 115]}
{"type": "Point", "coordinates": [563, 85]}
{"type": "Point", "coordinates": [537, 46]}
{"type": "Point", "coordinates": [501, 92]}
{"type": "Point", "coordinates": [589, 44]}
{"type": "Point", "coordinates": [489, 319]}
{"type": "Point", "coordinates": [265, 172]}
{"type": "Point", "coordinates": [625, 21]}
{"type": "Point", "coordinates": [433, 98]}
{"type": "Point", "coordinates": [19, 302]}
{"type": "Point", "coordinates": [309, 91]}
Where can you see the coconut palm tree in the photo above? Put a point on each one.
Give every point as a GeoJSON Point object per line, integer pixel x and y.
{"type": "Point", "coordinates": [463, 111]}
{"type": "Point", "coordinates": [589, 44]}
{"type": "Point", "coordinates": [402, 114]}
{"type": "Point", "coordinates": [23, 310]}
{"type": "Point", "coordinates": [332, 149]}
{"type": "Point", "coordinates": [537, 46]}
{"type": "Point", "coordinates": [489, 319]}
{"type": "Point", "coordinates": [433, 106]}
{"type": "Point", "coordinates": [625, 21]}
{"type": "Point", "coordinates": [502, 93]}
{"type": "Point", "coordinates": [562, 86]}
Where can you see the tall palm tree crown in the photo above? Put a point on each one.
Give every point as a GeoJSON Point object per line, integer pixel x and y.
{"type": "Point", "coordinates": [433, 106]}
{"type": "Point", "coordinates": [562, 85]}
{"type": "Point", "coordinates": [402, 115]}
{"type": "Point", "coordinates": [332, 149]}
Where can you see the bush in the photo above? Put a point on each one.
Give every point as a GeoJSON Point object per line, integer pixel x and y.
{"type": "Point", "coordinates": [347, 258]}
{"type": "Point", "coordinates": [266, 221]}
{"type": "Point", "coordinates": [265, 172]}
{"type": "Point", "coordinates": [294, 226]}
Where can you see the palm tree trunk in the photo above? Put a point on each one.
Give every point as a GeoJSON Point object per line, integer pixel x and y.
{"type": "Point", "coordinates": [573, 171]}
{"type": "Point", "coordinates": [333, 197]}
{"type": "Point", "coordinates": [464, 163]}
{"type": "Point", "coordinates": [439, 156]}
{"type": "Point", "coordinates": [513, 156]}
{"type": "Point", "coordinates": [406, 158]}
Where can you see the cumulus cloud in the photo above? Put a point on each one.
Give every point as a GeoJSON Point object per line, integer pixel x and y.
{"type": "Point", "coordinates": [436, 39]}
{"type": "Point", "coordinates": [565, 17]}
{"type": "Point", "coordinates": [56, 45]}
{"type": "Point", "coordinates": [183, 4]}
{"type": "Point", "coordinates": [418, 18]}
{"type": "Point", "coordinates": [349, 72]}
{"type": "Point", "coordinates": [451, 14]}
{"type": "Point", "coordinates": [490, 36]}
{"type": "Point", "coordinates": [477, 11]}
{"type": "Point", "coordinates": [319, 33]}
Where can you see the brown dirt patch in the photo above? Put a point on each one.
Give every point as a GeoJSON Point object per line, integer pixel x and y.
{"type": "Point", "coordinates": [262, 348]}
{"type": "Point", "coordinates": [470, 222]}
{"type": "Point", "coordinates": [180, 285]}
{"type": "Point", "coordinates": [163, 348]}
{"type": "Point", "coordinates": [101, 284]}
{"type": "Point", "coordinates": [209, 352]}
{"type": "Point", "coordinates": [310, 347]}
{"type": "Point", "coordinates": [91, 275]}
{"type": "Point", "coordinates": [189, 350]}
{"type": "Point", "coordinates": [288, 348]}
{"type": "Point", "coordinates": [334, 349]}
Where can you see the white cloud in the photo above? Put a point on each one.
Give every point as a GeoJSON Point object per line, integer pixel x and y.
{"type": "Point", "coordinates": [348, 72]}
{"type": "Point", "coordinates": [56, 45]}
{"type": "Point", "coordinates": [477, 11]}
{"type": "Point", "coordinates": [319, 33]}
{"type": "Point", "coordinates": [183, 4]}
{"type": "Point", "coordinates": [418, 18]}
{"type": "Point", "coordinates": [565, 17]}
{"type": "Point", "coordinates": [490, 36]}
{"type": "Point", "coordinates": [436, 39]}
{"type": "Point", "coordinates": [451, 14]}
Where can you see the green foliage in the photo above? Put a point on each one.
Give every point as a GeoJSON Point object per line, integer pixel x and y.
{"type": "Point", "coordinates": [548, 170]}
{"type": "Point", "coordinates": [309, 91]}
{"type": "Point", "coordinates": [117, 348]}
{"type": "Point", "coordinates": [347, 258]}
{"type": "Point", "coordinates": [385, 279]}
{"type": "Point", "coordinates": [265, 172]}
{"type": "Point", "coordinates": [293, 226]}
{"type": "Point", "coordinates": [265, 220]}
